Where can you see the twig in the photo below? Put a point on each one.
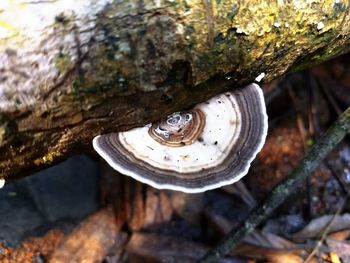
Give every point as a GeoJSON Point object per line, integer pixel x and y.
{"type": "Point", "coordinates": [299, 118]}
{"type": "Point", "coordinates": [314, 123]}
{"type": "Point", "coordinates": [329, 97]}
{"type": "Point", "coordinates": [316, 154]}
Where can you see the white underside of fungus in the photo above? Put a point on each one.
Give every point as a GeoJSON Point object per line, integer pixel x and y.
{"type": "Point", "coordinates": [193, 151]}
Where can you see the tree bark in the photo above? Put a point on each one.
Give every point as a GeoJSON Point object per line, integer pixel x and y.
{"type": "Point", "coordinates": [70, 70]}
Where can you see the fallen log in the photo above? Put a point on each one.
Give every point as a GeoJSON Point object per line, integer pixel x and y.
{"type": "Point", "coordinates": [70, 70]}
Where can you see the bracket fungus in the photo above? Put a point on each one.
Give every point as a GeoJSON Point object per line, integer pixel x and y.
{"type": "Point", "coordinates": [193, 151]}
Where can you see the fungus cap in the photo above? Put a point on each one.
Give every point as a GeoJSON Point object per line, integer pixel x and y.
{"type": "Point", "coordinates": [193, 151]}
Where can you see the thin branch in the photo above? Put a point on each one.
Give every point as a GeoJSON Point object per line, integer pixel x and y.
{"type": "Point", "coordinates": [312, 159]}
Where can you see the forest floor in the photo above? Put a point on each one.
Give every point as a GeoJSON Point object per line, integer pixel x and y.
{"type": "Point", "coordinates": [132, 222]}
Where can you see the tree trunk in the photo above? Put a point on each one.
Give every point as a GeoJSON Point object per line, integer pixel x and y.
{"type": "Point", "coordinates": [70, 70]}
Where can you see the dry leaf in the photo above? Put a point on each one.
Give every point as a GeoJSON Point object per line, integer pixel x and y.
{"type": "Point", "coordinates": [334, 258]}
{"type": "Point", "coordinates": [90, 240]}
{"type": "Point", "coordinates": [268, 240]}
{"type": "Point", "coordinates": [340, 248]}
{"type": "Point", "coordinates": [260, 245]}
{"type": "Point", "coordinates": [158, 207]}
{"type": "Point", "coordinates": [269, 247]}
{"type": "Point", "coordinates": [161, 248]}
{"type": "Point", "coordinates": [187, 206]}
{"type": "Point", "coordinates": [315, 228]}
{"type": "Point", "coordinates": [285, 257]}
{"type": "Point", "coordinates": [340, 235]}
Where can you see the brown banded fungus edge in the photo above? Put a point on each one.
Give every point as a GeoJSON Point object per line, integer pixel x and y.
{"type": "Point", "coordinates": [193, 151]}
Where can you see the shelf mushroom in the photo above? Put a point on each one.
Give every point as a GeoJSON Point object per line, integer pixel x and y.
{"type": "Point", "coordinates": [193, 151]}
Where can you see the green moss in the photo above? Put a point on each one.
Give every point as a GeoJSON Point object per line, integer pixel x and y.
{"type": "Point", "coordinates": [116, 81]}
{"type": "Point", "coordinates": [233, 12]}
{"type": "Point", "coordinates": [316, 57]}
{"type": "Point", "coordinates": [182, 5]}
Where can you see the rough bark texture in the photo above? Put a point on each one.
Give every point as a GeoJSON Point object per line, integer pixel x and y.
{"type": "Point", "coordinates": [70, 70]}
